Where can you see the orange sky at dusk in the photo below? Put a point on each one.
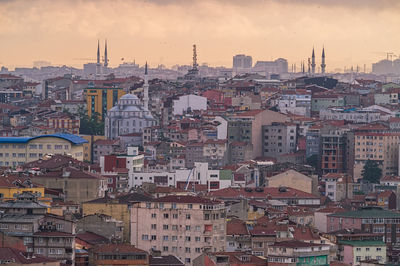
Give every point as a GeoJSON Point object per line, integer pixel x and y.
{"type": "Point", "coordinates": [163, 31]}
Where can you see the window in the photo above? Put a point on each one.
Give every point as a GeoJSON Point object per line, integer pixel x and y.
{"type": "Point", "coordinates": [187, 228]}
{"type": "Point", "coordinates": [3, 226]}
{"type": "Point", "coordinates": [153, 215]}
{"type": "Point", "coordinates": [197, 239]}
{"type": "Point", "coordinates": [154, 226]}
{"type": "Point", "coordinates": [165, 238]}
{"type": "Point", "coordinates": [358, 249]}
{"type": "Point", "coordinates": [174, 238]}
{"type": "Point", "coordinates": [60, 226]}
{"type": "Point", "coordinates": [175, 227]}
{"type": "Point", "coordinates": [197, 228]}
{"type": "Point", "coordinates": [145, 237]}
{"type": "Point", "coordinates": [187, 260]}
{"type": "Point", "coordinates": [175, 216]}
{"type": "Point", "coordinates": [52, 251]}
{"type": "Point", "coordinates": [39, 251]}
{"type": "Point", "coordinates": [166, 215]}
{"type": "Point", "coordinates": [197, 250]}
{"type": "Point", "coordinates": [173, 206]}
{"type": "Point", "coordinates": [378, 249]}
{"type": "Point", "coordinates": [187, 239]}
{"type": "Point", "coordinates": [187, 216]}
{"type": "Point", "coordinates": [174, 249]}
{"type": "Point", "coordinates": [148, 205]}
{"type": "Point", "coordinates": [165, 227]}
{"type": "Point", "coordinates": [165, 248]}
{"type": "Point", "coordinates": [187, 250]}
{"type": "Point", "coordinates": [190, 206]}
{"type": "Point", "coordinates": [153, 237]}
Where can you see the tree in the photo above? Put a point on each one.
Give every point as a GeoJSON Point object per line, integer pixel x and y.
{"type": "Point", "coordinates": [90, 125]}
{"type": "Point", "coordinates": [371, 172]}
{"type": "Point", "coordinates": [313, 161]}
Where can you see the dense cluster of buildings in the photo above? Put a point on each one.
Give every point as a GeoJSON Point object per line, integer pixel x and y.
{"type": "Point", "coordinates": [267, 167]}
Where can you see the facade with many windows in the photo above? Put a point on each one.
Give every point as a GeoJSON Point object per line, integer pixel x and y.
{"type": "Point", "coordinates": [15, 151]}
{"type": "Point", "coordinates": [184, 226]}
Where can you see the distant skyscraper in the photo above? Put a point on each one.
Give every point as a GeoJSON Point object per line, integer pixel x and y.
{"type": "Point", "coordinates": [242, 61]}
{"type": "Point", "coordinates": [313, 62]}
{"type": "Point", "coordinates": [278, 66]}
{"type": "Point", "coordinates": [323, 65]}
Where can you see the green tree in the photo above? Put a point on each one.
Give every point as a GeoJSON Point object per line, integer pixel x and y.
{"type": "Point", "coordinates": [90, 125]}
{"type": "Point", "coordinates": [371, 172]}
{"type": "Point", "coordinates": [313, 161]}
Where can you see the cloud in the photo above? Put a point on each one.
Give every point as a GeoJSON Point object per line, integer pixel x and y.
{"type": "Point", "coordinates": [162, 31]}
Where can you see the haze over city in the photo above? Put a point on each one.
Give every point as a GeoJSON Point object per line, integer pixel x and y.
{"type": "Point", "coordinates": [162, 32]}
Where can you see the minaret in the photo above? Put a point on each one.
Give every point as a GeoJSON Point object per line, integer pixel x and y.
{"type": "Point", "coordinates": [303, 68]}
{"type": "Point", "coordinates": [309, 66]}
{"type": "Point", "coordinates": [323, 65]}
{"type": "Point", "coordinates": [313, 62]}
{"type": "Point", "coordinates": [105, 56]}
{"type": "Point", "coordinates": [98, 65]}
{"type": "Point", "coordinates": [146, 90]}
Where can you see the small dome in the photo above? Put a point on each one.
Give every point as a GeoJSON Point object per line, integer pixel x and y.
{"type": "Point", "coordinates": [129, 97]}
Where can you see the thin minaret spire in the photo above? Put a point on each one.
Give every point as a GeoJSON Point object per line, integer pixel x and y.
{"type": "Point", "coordinates": [323, 65]}
{"type": "Point", "coordinates": [146, 89]}
{"type": "Point", "coordinates": [105, 55]}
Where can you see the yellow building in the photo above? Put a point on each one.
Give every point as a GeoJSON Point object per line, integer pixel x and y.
{"type": "Point", "coordinates": [100, 100]}
{"type": "Point", "coordinates": [15, 151]}
{"type": "Point", "coordinates": [10, 186]}
{"type": "Point", "coordinates": [87, 147]}
{"type": "Point", "coordinates": [118, 208]}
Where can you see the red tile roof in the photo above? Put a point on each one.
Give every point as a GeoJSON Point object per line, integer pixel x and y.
{"type": "Point", "coordinates": [236, 227]}
{"type": "Point", "coordinates": [272, 192]}
{"type": "Point", "coordinates": [21, 257]}
{"type": "Point", "coordinates": [117, 249]}
{"type": "Point", "coordinates": [187, 199]}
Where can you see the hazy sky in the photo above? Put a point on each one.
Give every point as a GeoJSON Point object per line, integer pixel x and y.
{"type": "Point", "coordinates": [163, 31]}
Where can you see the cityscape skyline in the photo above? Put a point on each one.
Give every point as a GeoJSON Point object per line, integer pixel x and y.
{"type": "Point", "coordinates": [162, 32]}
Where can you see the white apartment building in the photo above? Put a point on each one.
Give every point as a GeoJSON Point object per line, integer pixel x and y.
{"type": "Point", "coordinates": [199, 174]}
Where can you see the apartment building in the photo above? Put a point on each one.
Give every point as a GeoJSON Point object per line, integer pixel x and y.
{"type": "Point", "coordinates": [296, 252]}
{"type": "Point", "coordinates": [278, 139]}
{"type": "Point", "coordinates": [20, 150]}
{"type": "Point", "coordinates": [371, 220]}
{"type": "Point", "coordinates": [184, 226]}
{"type": "Point", "coordinates": [43, 234]}
{"type": "Point", "coordinates": [333, 150]}
{"type": "Point", "coordinates": [356, 251]}
{"type": "Point", "coordinates": [381, 147]}
{"type": "Point", "coordinates": [77, 185]}
{"type": "Point", "coordinates": [118, 254]}
{"type": "Point", "coordinates": [247, 127]}
{"type": "Point", "coordinates": [62, 122]}
{"type": "Point", "coordinates": [101, 99]}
